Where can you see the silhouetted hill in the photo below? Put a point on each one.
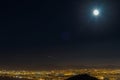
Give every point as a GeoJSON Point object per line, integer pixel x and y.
{"type": "Point", "coordinates": [82, 77]}
{"type": "Point", "coordinates": [10, 78]}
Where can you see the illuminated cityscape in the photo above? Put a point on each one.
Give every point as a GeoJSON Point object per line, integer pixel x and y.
{"type": "Point", "coordinates": [59, 39]}
{"type": "Point", "coordinates": [102, 74]}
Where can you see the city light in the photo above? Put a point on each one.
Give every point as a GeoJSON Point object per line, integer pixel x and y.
{"type": "Point", "coordinates": [101, 74]}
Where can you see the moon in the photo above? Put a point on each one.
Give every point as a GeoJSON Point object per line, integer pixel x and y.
{"type": "Point", "coordinates": [96, 12]}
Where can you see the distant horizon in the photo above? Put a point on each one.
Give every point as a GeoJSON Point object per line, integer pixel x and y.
{"type": "Point", "coordinates": [54, 67]}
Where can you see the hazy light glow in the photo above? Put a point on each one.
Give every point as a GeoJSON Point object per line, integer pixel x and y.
{"type": "Point", "coordinates": [96, 12]}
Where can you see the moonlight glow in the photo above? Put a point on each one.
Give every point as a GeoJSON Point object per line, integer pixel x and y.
{"type": "Point", "coordinates": [96, 12]}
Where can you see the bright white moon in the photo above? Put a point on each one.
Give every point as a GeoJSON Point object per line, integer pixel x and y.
{"type": "Point", "coordinates": [96, 12]}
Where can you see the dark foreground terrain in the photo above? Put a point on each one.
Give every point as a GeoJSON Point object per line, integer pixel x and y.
{"type": "Point", "coordinates": [82, 77]}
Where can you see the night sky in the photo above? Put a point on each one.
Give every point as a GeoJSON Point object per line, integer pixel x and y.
{"type": "Point", "coordinates": [37, 34]}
